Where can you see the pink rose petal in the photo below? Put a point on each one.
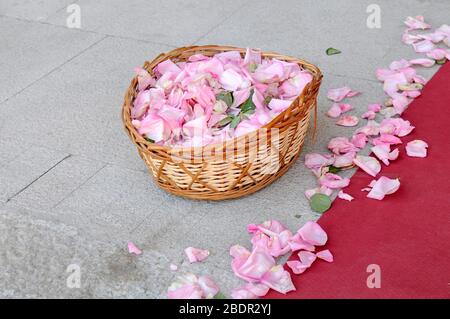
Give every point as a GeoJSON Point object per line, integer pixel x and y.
{"type": "Point", "coordinates": [370, 115]}
{"type": "Point", "coordinates": [384, 154]}
{"type": "Point", "coordinates": [318, 190]}
{"type": "Point", "coordinates": [341, 145]}
{"type": "Point", "coordinates": [325, 255]}
{"type": "Point", "coordinates": [307, 258]}
{"type": "Point", "coordinates": [296, 242]}
{"type": "Point", "coordinates": [208, 286]}
{"type": "Point", "coordinates": [296, 266]}
{"type": "Point", "coordinates": [335, 111]}
{"type": "Point", "coordinates": [315, 160]}
{"type": "Point", "coordinates": [348, 121]}
{"type": "Point", "coordinates": [368, 164]}
{"type": "Point", "coordinates": [168, 66]}
{"type": "Point", "coordinates": [250, 291]}
{"type": "Point", "coordinates": [231, 80]}
{"type": "Point", "coordinates": [252, 267]}
{"type": "Point", "coordinates": [359, 140]}
{"type": "Point", "coordinates": [272, 236]}
{"type": "Point", "coordinates": [382, 187]}
{"type": "Point", "coordinates": [345, 196]}
{"type": "Point", "coordinates": [189, 286]}
{"type": "Point", "coordinates": [279, 105]}
{"type": "Point", "coordinates": [144, 79]}
{"type": "Point", "coordinates": [416, 23]}
{"type": "Point", "coordinates": [400, 64]}
{"type": "Point", "coordinates": [387, 139]}
{"type": "Point", "coordinates": [409, 39]}
{"type": "Point", "coordinates": [337, 95]}
{"type": "Point", "coordinates": [392, 82]}
{"type": "Point", "coordinates": [437, 54]}
{"type": "Point", "coordinates": [423, 62]}
{"type": "Point", "coordinates": [345, 160]}
{"type": "Point", "coordinates": [423, 46]}
{"type": "Point", "coordinates": [372, 128]}
{"type": "Point", "coordinates": [313, 234]}
{"type": "Point", "coordinates": [396, 126]}
{"type": "Point", "coordinates": [252, 56]}
{"type": "Point", "coordinates": [374, 108]}
{"type": "Point", "coordinates": [196, 255]}
{"type": "Point", "coordinates": [417, 148]}
{"type": "Point", "coordinates": [278, 279]}
{"type": "Point", "coordinates": [133, 249]}
{"type": "Point", "coordinates": [334, 181]}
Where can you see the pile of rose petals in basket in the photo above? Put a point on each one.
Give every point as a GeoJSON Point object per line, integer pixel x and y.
{"type": "Point", "coordinates": [208, 100]}
{"type": "Point", "coordinates": [258, 267]}
{"type": "Point", "coordinates": [384, 127]}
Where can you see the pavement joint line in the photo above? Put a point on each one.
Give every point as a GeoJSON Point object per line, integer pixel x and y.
{"type": "Point", "coordinates": [54, 69]}
{"type": "Point", "coordinates": [221, 22]}
{"type": "Point", "coordinates": [37, 178]}
{"type": "Point", "coordinates": [79, 186]}
{"type": "Point", "coordinates": [75, 154]}
{"type": "Point", "coordinates": [89, 31]}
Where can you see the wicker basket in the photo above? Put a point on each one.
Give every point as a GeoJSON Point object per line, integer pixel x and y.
{"type": "Point", "coordinates": [257, 159]}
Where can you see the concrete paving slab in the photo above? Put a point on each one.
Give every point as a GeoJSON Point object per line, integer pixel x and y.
{"type": "Point", "coordinates": [57, 184]}
{"type": "Point", "coordinates": [122, 199]}
{"type": "Point", "coordinates": [76, 109]}
{"type": "Point", "coordinates": [24, 165]}
{"type": "Point", "coordinates": [38, 10]}
{"type": "Point", "coordinates": [39, 253]}
{"type": "Point", "coordinates": [31, 50]}
{"type": "Point", "coordinates": [162, 21]}
{"type": "Point", "coordinates": [292, 28]}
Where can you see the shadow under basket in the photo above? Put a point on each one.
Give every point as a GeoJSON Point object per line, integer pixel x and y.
{"type": "Point", "coordinates": [236, 167]}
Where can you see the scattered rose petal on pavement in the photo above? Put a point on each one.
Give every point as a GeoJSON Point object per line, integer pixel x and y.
{"type": "Point", "coordinates": [338, 94]}
{"type": "Point", "coordinates": [189, 286]}
{"type": "Point", "coordinates": [348, 121]}
{"type": "Point", "coordinates": [196, 254]}
{"type": "Point", "coordinates": [133, 249]}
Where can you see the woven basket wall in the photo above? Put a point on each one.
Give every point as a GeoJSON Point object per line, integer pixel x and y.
{"type": "Point", "coordinates": [234, 168]}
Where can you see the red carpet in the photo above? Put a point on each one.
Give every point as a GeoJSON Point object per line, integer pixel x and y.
{"type": "Point", "coordinates": [408, 233]}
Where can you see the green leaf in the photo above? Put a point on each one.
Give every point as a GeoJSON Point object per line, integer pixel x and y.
{"type": "Point", "coordinates": [298, 216]}
{"type": "Point", "coordinates": [248, 105]}
{"type": "Point", "coordinates": [320, 203]}
{"type": "Point", "coordinates": [442, 61]}
{"type": "Point", "coordinates": [224, 122]}
{"type": "Point", "coordinates": [246, 115]}
{"type": "Point", "coordinates": [334, 169]}
{"type": "Point", "coordinates": [220, 295]}
{"type": "Point", "coordinates": [235, 122]}
{"type": "Point", "coordinates": [225, 96]}
{"type": "Point", "coordinates": [252, 67]}
{"type": "Point", "coordinates": [332, 51]}
{"type": "Point", "coordinates": [149, 139]}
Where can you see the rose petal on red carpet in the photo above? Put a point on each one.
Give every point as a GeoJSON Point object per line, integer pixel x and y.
{"type": "Point", "coordinates": [408, 233]}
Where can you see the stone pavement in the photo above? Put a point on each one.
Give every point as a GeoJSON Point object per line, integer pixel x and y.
{"type": "Point", "coordinates": [73, 189]}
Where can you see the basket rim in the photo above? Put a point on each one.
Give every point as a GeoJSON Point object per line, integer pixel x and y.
{"type": "Point", "coordinates": [126, 108]}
